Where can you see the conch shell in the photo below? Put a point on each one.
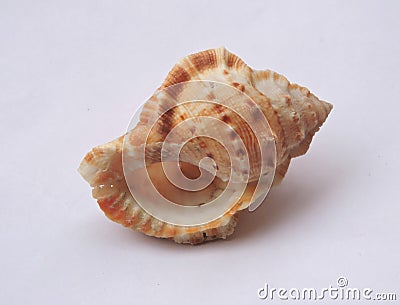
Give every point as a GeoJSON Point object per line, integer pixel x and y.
{"type": "Point", "coordinates": [293, 113]}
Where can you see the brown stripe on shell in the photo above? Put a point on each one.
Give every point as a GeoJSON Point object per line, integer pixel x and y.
{"type": "Point", "coordinates": [177, 75]}
{"type": "Point", "coordinates": [204, 60]}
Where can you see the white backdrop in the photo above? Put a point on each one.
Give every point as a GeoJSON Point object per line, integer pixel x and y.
{"type": "Point", "coordinates": [73, 72]}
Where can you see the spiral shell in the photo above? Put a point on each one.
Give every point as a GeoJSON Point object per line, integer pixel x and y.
{"type": "Point", "coordinates": [293, 113]}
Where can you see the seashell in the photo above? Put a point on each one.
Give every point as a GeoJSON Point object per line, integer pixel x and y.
{"type": "Point", "coordinates": [293, 113]}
